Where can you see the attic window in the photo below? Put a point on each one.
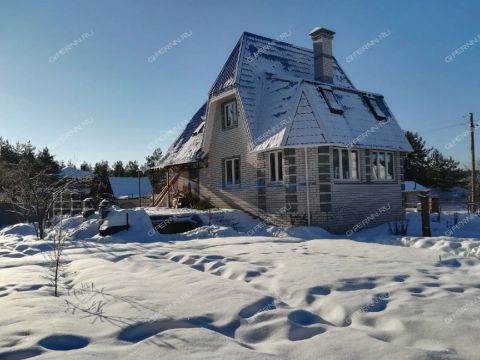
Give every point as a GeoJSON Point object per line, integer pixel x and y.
{"type": "Point", "coordinates": [199, 129]}
{"type": "Point", "coordinates": [372, 102]}
{"type": "Point", "coordinates": [331, 100]}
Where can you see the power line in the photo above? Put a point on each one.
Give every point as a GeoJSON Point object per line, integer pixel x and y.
{"type": "Point", "coordinates": [443, 127]}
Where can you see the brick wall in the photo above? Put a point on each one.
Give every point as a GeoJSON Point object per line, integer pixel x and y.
{"type": "Point", "coordinates": [227, 143]}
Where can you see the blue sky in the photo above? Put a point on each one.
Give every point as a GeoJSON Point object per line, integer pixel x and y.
{"type": "Point", "coordinates": [103, 100]}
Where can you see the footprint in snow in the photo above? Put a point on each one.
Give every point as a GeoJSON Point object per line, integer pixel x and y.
{"type": "Point", "coordinates": [20, 354]}
{"type": "Point", "coordinates": [64, 342]}
{"type": "Point", "coordinates": [357, 284]}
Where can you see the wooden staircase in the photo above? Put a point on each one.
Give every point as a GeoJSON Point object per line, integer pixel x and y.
{"type": "Point", "coordinates": [165, 190]}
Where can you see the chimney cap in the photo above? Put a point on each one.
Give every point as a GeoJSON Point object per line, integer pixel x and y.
{"type": "Point", "coordinates": [320, 31]}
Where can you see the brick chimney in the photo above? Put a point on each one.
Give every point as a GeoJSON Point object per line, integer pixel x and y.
{"type": "Point", "coordinates": [322, 54]}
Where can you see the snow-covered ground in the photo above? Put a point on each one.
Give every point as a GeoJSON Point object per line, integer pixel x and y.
{"type": "Point", "coordinates": [239, 289]}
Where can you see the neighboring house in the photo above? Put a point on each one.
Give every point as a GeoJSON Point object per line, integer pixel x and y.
{"type": "Point", "coordinates": [73, 173]}
{"type": "Point", "coordinates": [128, 190]}
{"type": "Point", "coordinates": [285, 135]}
{"type": "Point", "coordinates": [412, 191]}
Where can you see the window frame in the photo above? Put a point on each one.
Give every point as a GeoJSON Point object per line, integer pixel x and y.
{"type": "Point", "coordinates": [379, 114]}
{"type": "Point", "coordinates": [278, 167]}
{"type": "Point", "coordinates": [235, 182]}
{"type": "Point", "coordinates": [340, 177]}
{"type": "Point", "coordinates": [375, 169]}
{"type": "Point", "coordinates": [332, 102]}
{"type": "Point", "coordinates": [234, 121]}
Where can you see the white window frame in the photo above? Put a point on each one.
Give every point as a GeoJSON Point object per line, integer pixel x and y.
{"type": "Point", "coordinates": [278, 164]}
{"type": "Point", "coordinates": [225, 114]}
{"type": "Point", "coordinates": [338, 151]}
{"type": "Point", "coordinates": [376, 168]}
{"type": "Point", "coordinates": [230, 162]}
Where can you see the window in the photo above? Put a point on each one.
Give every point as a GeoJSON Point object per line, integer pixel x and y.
{"type": "Point", "coordinates": [345, 164]}
{"type": "Point", "coordinates": [232, 172]}
{"type": "Point", "coordinates": [377, 111]}
{"type": "Point", "coordinates": [276, 166]}
{"type": "Point", "coordinates": [199, 129]}
{"type": "Point", "coordinates": [382, 165]}
{"type": "Point", "coordinates": [230, 115]}
{"type": "Point", "coordinates": [331, 100]}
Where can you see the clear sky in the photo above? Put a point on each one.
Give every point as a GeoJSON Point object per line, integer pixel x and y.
{"type": "Point", "coordinates": [103, 100]}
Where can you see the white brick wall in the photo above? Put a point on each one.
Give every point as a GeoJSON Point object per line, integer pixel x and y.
{"type": "Point", "coordinates": [229, 143]}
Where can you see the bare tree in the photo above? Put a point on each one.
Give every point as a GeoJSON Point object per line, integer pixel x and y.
{"type": "Point", "coordinates": [33, 193]}
{"type": "Point", "coordinates": [55, 257]}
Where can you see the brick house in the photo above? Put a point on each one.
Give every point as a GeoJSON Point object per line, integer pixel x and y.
{"type": "Point", "coordinates": [285, 136]}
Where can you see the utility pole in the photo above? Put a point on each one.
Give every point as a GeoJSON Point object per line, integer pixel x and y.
{"type": "Point", "coordinates": [473, 199]}
{"type": "Point", "coordinates": [139, 192]}
{"type": "Point", "coordinates": [425, 200]}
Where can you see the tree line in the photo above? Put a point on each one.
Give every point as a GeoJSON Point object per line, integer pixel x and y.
{"type": "Point", "coordinates": [425, 165]}
{"type": "Point", "coordinates": [26, 156]}
{"type": "Point", "coordinates": [429, 167]}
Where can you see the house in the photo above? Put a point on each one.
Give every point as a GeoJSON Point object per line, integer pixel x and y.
{"type": "Point", "coordinates": [129, 191]}
{"type": "Point", "coordinates": [411, 192]}
{"type": "Point", "coordinates": [285, 135]}
{"type": "Point", "coordinates": [70, 172]}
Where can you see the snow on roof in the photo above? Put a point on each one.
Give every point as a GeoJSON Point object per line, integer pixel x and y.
{"type": "Point", "coordinates": [187, 146]}
{"type": "Point", "coordinates": [295, 113]}
{"type": "Point", "coordinates": [413, 186]}
{"type": "Point", "coordinates": [127, 187]}
{"type": "Point", "coordinates": [283, 106]}
{"type": "Point", "coordinates": [72, 173]}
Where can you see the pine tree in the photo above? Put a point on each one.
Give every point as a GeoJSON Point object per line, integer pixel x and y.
{"type": "Point", "coordinates": [8, 153]}
{"type": "Point", "coordinates": [100, 182]}
{"type": "Point", "coordinates": [118, 169]}
{"type": "Point", "coordinates": [157, 176]}
{"type": "Point", "coordinates": [46, 161]}
{"type": "Point", "coordinates": [443, 172]}
{"type": "Point", "coordinates": [416, 162]}
{"type": "Point", "coordinates": [154, 159]}
{"type": "Point", "coordinates": [85, 166]}
{"type": "Point", "coordinates": [131, 169]}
